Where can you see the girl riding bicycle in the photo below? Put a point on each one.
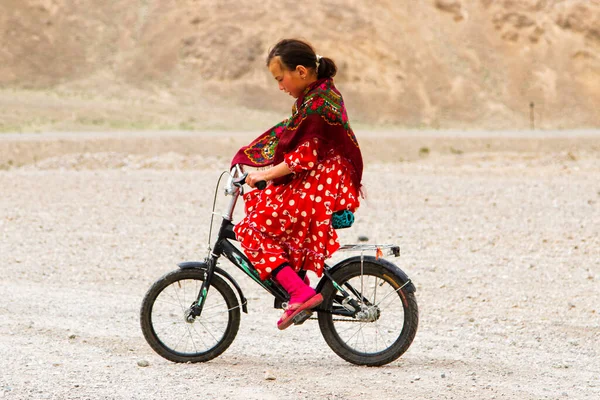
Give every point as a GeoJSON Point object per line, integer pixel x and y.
{"type": "Point", "coordinates": [316, 172]}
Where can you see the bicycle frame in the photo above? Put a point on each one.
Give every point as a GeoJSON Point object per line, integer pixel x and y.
{"type": "Point", "coordinates": [357, 289]}
{"type": "Point", "coordinates": [224, 247]}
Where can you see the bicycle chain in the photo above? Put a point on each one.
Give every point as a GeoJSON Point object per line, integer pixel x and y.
{"type": "Point", "coordinates": [338, 320]}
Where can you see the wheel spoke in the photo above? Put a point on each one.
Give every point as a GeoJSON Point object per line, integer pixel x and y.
{"type": "Point", "coordinates": [350, 327]}
{"type": "Point", "coordinates": [354, 334]}
{"type": "Point", "coordinates": [204, 325]}
{"type": "Point", "coordinates": [379, 333]}
{"type": "Point", "coordinates": [178, 299]}
{"type": "Point", "coordinates": [191, 336]}
{"type": "Point", "coordinates": [211, 307]}
{"type": "Point", "coordinates": [164, 294]}
{"type": "Point", "coordinates": [164, 330]}
{"type": "Point", "coordinates": [375, 291]}
{"type": "Point", "coordinates": [360, 297]}
{"type": "Point", "coordinates": [179, 341]}
{"type": "Point", "coordinates": [200, 336]}
{"type": "Point", "coordinates": [389, 297]}
{"type": "Point", "coordinates": [161, 301]}
{"type": "Point", "coordinates": [362, 335]}
{"type": "Point", "coordinates": [394, 291]}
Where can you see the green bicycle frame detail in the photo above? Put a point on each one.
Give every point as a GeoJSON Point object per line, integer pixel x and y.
{"type": "Point", "coordinates": [338, 287]}
{"type": "Point", "coordinates": [202, 297]}
{"type": "Point", "coordinates": [250, 271]}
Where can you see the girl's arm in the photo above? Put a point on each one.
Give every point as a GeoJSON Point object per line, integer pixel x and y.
{"type": "Point", "coordinates": [277, 171]}
{"type": "Point", "coordinates": [303, 158]}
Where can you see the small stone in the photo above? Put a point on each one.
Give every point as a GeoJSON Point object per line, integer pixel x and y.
{"type": "Point", "coordinates": [72, 336]}
{"type": "Point", "coordinates": [443, 375]}
{"type": "Point", "coordinates": [143, 363]}
{"type": "Point", "coordinates": [269, 376]}
{"type": "Point", "coordinates": [417, 378]}
{"type": "Point", "coordinates": [363, 238]}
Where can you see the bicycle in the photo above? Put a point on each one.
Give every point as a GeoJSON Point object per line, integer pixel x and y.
{"type": "Point", "coordinates": [369, 315]}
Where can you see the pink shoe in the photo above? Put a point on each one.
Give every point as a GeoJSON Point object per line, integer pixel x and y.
{"type": "Point", "coordinates": [302, 296]}
{"type": "Point", "coordinates": [292, 310]}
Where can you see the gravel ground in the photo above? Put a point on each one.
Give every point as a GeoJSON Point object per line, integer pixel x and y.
{"type": "Point", "coordinates": [504, 249]}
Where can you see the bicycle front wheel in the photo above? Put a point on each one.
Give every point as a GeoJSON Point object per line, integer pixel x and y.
{"type": "Point", "coordinates": [384, 326]}
{"type": "Point", "coordinates": [171, 334]}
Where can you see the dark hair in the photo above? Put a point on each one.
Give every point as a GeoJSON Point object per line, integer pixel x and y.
{"type": "Point", "coordinates": [294, 52]}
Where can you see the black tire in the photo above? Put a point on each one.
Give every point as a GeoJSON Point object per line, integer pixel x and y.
{"type": "Point", "coordinates": [394, 319]}
{"type": "Point", "coordinates": [163, 321]}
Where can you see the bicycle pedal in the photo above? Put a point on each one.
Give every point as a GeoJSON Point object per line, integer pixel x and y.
{"type": "Point", "coordinates": [301, 317]}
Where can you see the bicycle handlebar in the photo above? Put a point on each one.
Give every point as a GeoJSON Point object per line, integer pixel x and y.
{"type": "Point", "coordinates": [260, 185]}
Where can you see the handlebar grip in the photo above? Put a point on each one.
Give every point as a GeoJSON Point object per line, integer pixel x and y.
{"type": "Point", "coordinates": [260, 185]}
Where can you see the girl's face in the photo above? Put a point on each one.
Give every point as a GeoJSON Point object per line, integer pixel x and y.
{"type": "Point", "coordinates": [292, 82]}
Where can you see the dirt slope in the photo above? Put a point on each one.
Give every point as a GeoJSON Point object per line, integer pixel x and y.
{"type": "Point", "coordinates": [432, 63]}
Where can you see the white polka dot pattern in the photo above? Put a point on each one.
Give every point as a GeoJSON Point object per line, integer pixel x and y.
{"type": "Point", "coordinates": [291, 223]}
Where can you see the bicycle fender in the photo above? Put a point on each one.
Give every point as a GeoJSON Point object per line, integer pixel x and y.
{"type": "Point", "coordinates": [409, 287]}
{"type": "Point", "coordinates": [222, 273]}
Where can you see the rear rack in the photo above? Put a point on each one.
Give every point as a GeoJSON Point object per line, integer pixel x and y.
{"type": "Point", "coordinates": [392, 248]}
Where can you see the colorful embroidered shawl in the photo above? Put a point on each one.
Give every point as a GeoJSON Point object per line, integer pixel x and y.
{"type": "Point", "coordinates": [318, 113]}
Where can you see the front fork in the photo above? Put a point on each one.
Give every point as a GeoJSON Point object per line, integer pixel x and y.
{"type": "Point", "coordinates": [196, 308]}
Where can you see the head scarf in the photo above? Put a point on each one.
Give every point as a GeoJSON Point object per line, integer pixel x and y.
{"type": "Point", "coordinates": [318, 113]}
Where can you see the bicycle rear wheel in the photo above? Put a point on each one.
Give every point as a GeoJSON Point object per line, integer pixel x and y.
{"type": "Point", "coordinates": [385, 326]}
{"type": "Point", "coordinates": [163, 317]}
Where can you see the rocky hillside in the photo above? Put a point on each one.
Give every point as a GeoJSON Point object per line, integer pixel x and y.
{"type": "Point", "coordinates": [427, 63]}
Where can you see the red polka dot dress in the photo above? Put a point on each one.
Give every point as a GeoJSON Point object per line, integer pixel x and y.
{"type": "Point", "coordinates": [291, 223]}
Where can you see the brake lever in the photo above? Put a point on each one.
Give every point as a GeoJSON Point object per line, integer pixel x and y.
{"type": "Point", "coordinates": [239, 182]}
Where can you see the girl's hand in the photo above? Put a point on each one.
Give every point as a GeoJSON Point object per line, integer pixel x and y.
{"type": "Point", "coordinates": [256, 176]}
{"type": "Point", "coordinates": [277, 171]}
